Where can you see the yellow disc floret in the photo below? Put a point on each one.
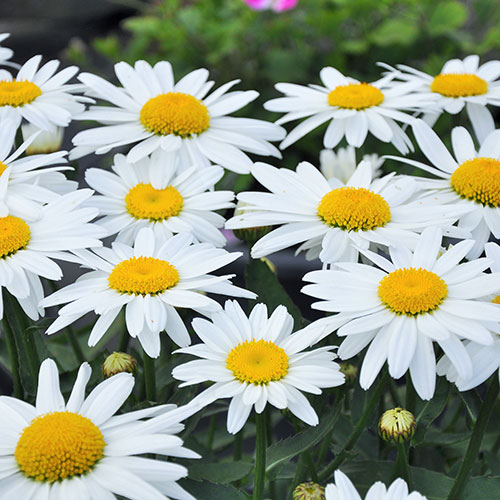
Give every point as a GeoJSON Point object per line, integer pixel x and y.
{"type": "Point", "coordinates": [3, 167]}
{"type": "Point", "coordinates": [355, 96]}
{"type": "Point", "coordinates": [58, 446]}
{"type": "Point", "coordinates": [257, 362]}
{"type": "Point", "coordinates": [143, 276]}
{"type": "Point", "coordinates": [354, 209]}
{"type": "Point", "coordinates": [145, 202]}
{"type": "Point", "coordinates": [459, 85]}
{"type": "Point", "coordinates": [175, 113]}
{"type": "Point", "coordinates": [15, 235]}
{"type": "Point", "coordinates": [478, 180]}
{"type": "Point", "coordinates": [18, 93]}
{"type": "Point", "coordinates": [496, 300]}
{"type": "Point", "coordinates": [412, 291]}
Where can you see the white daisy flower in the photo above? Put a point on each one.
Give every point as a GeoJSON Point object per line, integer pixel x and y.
{"type": "Point", "coordinates": [178, 118]}
{"type": "Point", "coordinates": [5, 53]}
{"type": "Point", "coordinates": [485, 359]}
{"type": "Point", "coordinates": [81, 449]}
{"type": "Point", "coordinates": [150, 280]}
{"type": "Point", "coordinates": [27, 182]}
{"type": "Point", "coordinates": [150, 194]}
{"type": "Point", "coordinates": [257, 360]}
{"type": "Point", "coordinates": [343, 489]}
{"type": "Point", "coordinates": [333, 220]}
{"type": "Point", "coordinates": [27, 247]}
{"type": "Point", "coordinates": [39, 95]}
{"type": "Point", "coordinates": [46, 141]}
{"type": "Point", "coordinates": [399, 310]}
{"type": "Point", "coordinates": [342, 163]}
{"type": "Point", "coordinates": [470, 180]}
{"type": "Point", "coordinates": [353, 109]}
{"type": "Point", "coordinates": [460, 84]}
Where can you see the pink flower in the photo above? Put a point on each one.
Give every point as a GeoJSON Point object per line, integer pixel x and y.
{"type": "Point", "coordinates": [276, 5]}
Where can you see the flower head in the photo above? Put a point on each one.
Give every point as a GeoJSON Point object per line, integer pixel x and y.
{"type": "Point", "coordinates": [150, 279]}
{"type": "Point", "coordinates": [257, 360]}
{"type": "Point", "coordinates": [309, 491]}
{"type": "Point", "coordinates": [351, 107]}
{"type": "Point", "coordinates": [396, 425]}
{"type": "Point", "coordinates": [39, 95]}
{"type": "Point", "coordinates": [119, 362]}
{"type": "Point", "coordinates": [400, 308]}
{"type": "Point", "coordinates": [79, 449]}
{"type": "Point", "coordinates": [177, 118]}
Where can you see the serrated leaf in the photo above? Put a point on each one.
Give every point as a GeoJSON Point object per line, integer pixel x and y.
{"type": "Point", "coordinates": [260, 279]}
{"type": "Point", "coordinates": [221, 472]}
{"type": "Point", "coordinates": [206, 490]}
{"type": "Point", "coordinates": [292, 446]}
{"type": "Point", "coordinates": [431, 410]}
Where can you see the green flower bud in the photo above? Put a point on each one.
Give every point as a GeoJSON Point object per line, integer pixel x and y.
{"type": "Point", "coordinates": [118, 362]}
{"type": "Point", "coordinates": [396, 425]}
{"type": "Point", "coordinates": [309, 491]}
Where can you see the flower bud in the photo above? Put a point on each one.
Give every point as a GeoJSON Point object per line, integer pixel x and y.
{"type": "Point", "coordinates": [396, 425]}
{"type": "Point", "coordinates": [45, 142]}
{"type": "Point", "coordinates": [249, 234]}
{"type": "Point", "coordinates": [118, 362]}
{"type": "Point", "coordinates": [309, 491]}
{"type": "Point", "coordinates": [350, 372]}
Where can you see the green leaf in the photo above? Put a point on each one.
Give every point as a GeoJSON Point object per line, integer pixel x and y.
{"type": "Point", "coordinates": [260, 279]}
{"type": "Point", "coordinates": [431, 410]}
{"type": "Point", "coordinates": [221, 472]}
{"type": "Point", "coordinates": [210, 491]}
{"type": "Point", "coordinates": [290, 447]}
{"type": "Point", "coordinates": [447, 17]}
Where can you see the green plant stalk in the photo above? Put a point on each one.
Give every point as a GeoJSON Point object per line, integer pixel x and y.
{"type": "Point", "coordinates": [124, 340]}
{"type": "Point", "coordinates": [149, 377]}
{"type": "Point", "coordinates": [19, 324]}
{"type": "Point", "coordinates": [73, 340]}
{"type": "Point", "coordinates": [238, 446]}
{"type": "Point", "coordinates": [260, 456]}
{"type": "Point", "coordinates": [14, 360]}
{"type": "Point", "coordinates": [310, 466]}
{"type": "Point", "coordinates": [401, 467]}
{"type": "Point", "coordinates": [356, 432]}
{"type": "Point", "coordinates": [211, 432]}
{"type": "Point", "coordinates": [411, 395]}
{"type": "Point", "coordinates": [475, 440]}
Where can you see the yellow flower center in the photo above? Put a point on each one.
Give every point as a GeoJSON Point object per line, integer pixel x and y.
{"type": "Point", "coordinates": [3, 167]}
{"type": "Point", "coordinates": [175, 113]}
{"type": "Point", "coordinates": [355, 96]}
{"type": "Point", "coordinates": [59, 445]}
{"type": "Point", "coordinates": [15, 235]}
{"type": "Point", "coordinates": [257, 362]}
{"type": "Point", "coordinates": [145, 202]}
{"type": "Point", "coordinates": [496, 300]}
{"type": "Point", "coordinates": [412, 291]}
{"type": "Point", "coordinates": [354, 209]}
{"type": "Point", "coordinates": [478, 180]}
{"type": "Point", "coordinates": [143, 276]}
{"type": "Point", "coordinates": [18, 93]}
{"type": "Point", "coordinates": [459, 85]}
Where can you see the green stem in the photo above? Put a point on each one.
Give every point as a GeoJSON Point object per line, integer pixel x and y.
{"type": "Point", "coordinates": [358, 429]}
{"type": "Point", "coordinates": [310, 466]}
{"type": "Point", "coordinates": [260, 457]}
{"type": "Point", "coordinates": [238, 446]}
{"type": "Point", "coordinates": [20, 323]}
{"type": "Point", "coordinates": [73, 340]}
{"type": "Point", "coordinates": [149, 377]}
{"type": "Point", "coordinates": [211, 432]}
{"type": "Point", "coordinates": [411, 395]}
{"type": "Point", "coordinates": [14, 360]}
{"type": "Point", "coordinates": [297, 478]}
{"type": "Point", "coordinates": [401, 467]}
{"type": "Point", "coordinates": [124, 340]}
{"type": "Point", "coordinates": [475, 440]}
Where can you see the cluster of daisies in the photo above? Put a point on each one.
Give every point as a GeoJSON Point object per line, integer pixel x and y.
{"type": "Point", "coordinates": [401, 271]}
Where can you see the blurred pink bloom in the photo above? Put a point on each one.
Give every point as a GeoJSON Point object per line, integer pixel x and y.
{"type": "Point", "coordinates": [276, 5]}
